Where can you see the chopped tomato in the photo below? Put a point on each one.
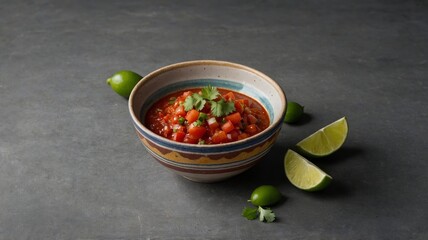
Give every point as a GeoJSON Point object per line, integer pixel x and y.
{"type": "Point", "coordinates": [178, 136]}
{"type": "Point", "coordinates": [196, 131]}
{"type": "Point", "coordinates": [235, 118]}
{"type": "Point", "coordinates": [189, 139]}
{"type": "Point", "coordinates": [192, 116]}
{"type": "Point", "coordinates": [239, 107]}
{"type": "Point", "coordinates": [233, 135]}
{"type": "Point", "coordinates": [219, 137]}
{"type": "Point", "coordinates": [243, 101]}
{"type": "Point", "coordinates": [175, 119]}
{"type": "Point", "coordinates": [213, 124]}
{"type": "Point", "coordinates": [229, 96]}
{"type": "Point", "coordinates": [179, 111]}
{"type": "Point", "coordinates": [227, 126]}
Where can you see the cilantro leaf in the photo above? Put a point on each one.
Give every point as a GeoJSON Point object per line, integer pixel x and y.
{"type": "Point", "coordinates": [198, 101]}
{"type": "Point", "coordinates": [250, 213]}
{"type": "Point", "coordinates": [222, 108]}
{"type": "Point", "coordinates": [228, 107]}
{"type": "Point", "coordinates": [218, 108]}
{"type": "Point", "coordinates": [266, 214]}
{"type": "Point", "coordinates": [194, 100]}
{"type": "Point", "coordinates": [210, 92]}
{"type": "Point", "coordinates": [188, 103]}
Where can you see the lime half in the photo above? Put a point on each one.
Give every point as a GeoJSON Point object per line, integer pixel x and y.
{"type": "Point", "coordinates": [304, 174]}
{"type": "Point", "coordinates": [326, 140]}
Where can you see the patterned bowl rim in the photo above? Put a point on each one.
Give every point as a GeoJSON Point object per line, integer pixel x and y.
{"type": "Point", "coordinates": [265, 134]}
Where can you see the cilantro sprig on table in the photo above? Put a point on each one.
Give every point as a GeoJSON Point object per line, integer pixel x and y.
{"type": "Point", "coordinates": [219, 107]}
{"type": "Point", "coordinates": [264, 214]}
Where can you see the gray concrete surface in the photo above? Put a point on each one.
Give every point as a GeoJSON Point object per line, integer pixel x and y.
{"type": "Point", "coordinates": [72, 167]}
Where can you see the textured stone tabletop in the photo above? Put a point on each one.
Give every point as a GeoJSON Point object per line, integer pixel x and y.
{"type": "Point", "coordinates": [72, 167]}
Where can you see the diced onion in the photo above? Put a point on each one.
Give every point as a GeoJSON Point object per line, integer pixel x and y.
{"type": "Point", "coordinates": [211, 121]}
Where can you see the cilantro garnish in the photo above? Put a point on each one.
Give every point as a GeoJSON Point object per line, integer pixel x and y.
{"type": "Point", "coordinates": [194, 100]}
{"type": "Point", "coordinates": [250, 213]}
{"type": "Point", "coordinates": [209, 94]}
{"type": "Point", "coordinates": [188, 103]}
{"type": "Point", "coordinates": [263, 214]}
{"type": "Point", "coordinates": [266, 214]}
{"type": "Point", "coordinates": [222, 108]}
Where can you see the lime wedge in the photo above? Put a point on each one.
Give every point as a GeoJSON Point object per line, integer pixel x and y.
{"type": "Point", "coordinates": [304, 174]}
{"type": "Point", "coordinates": [326, 140]}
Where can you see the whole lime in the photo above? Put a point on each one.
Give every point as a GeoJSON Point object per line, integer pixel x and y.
{"type": "Point", "coordinates": [123, 82]}
{"type": "Point", "coordinates": [265, 195]}
{"type": "Point", "coordinates": [294, 112]}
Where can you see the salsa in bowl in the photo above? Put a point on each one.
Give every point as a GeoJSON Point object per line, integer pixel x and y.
{"type": "Point", "coordinates": [207, 120]}
{"type": "Point", "coordinates": [206, 116]}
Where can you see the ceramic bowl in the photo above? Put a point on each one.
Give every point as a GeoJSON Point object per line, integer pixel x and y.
{"type": "Point", "coordinates": [208, 163]}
